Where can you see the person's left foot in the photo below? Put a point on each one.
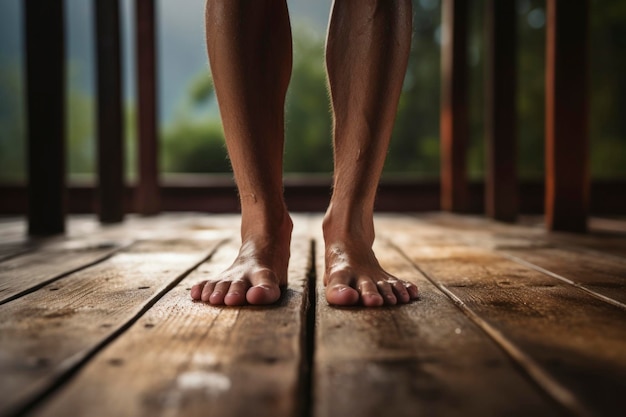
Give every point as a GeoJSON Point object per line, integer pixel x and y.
{"type": "Point", "coordinates": [354, 276]}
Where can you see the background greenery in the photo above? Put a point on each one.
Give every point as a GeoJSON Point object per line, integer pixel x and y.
{"type": "Point", "coordinates": [192, 140]}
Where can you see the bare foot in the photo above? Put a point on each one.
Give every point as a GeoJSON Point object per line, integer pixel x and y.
{"type": "Point", "coordinates": [258, 273]}
{"type": "Point", "coordinates": [354, 276]}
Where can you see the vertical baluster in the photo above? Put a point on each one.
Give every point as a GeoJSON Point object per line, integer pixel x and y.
{"type": "Point", "coordinates": [500, 87]}
{"type": "Point", "coordinates": [110, 119]}
{"type": "Point", "coordinates": [567, 156]}
{"type": "Point", "coordinates": [147, 196]}
{"type": "Point", "coordinates": [45, 91]}
{"type": "Point", "coordinates": [454, 106]}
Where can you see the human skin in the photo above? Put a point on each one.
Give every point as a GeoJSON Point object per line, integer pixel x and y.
{"type": "Point", "coordinates": [249, 45]}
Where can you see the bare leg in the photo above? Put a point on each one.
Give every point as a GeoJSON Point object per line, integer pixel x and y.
{"type": "Point", "coordinates": [366, 56]}
{"type": "Point", "coordinates": [249, 44]}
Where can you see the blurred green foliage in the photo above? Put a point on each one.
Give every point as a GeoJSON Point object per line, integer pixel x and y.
{"type": "Point", "coordinates": [12, 129]}
{"type": "Point", "coordinates": [192, 141]}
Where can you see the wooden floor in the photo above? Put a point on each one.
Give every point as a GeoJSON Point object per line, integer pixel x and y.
{"type": "Point", "coordinates": [512, 321]}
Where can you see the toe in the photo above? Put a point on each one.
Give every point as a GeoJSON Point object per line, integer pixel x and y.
{"type": "Point", "coordinates": [370, 297]}
{"type": "Point", "coordinates": [207, 290]}
{"type": "Point", "coordinates": [338, 290]}
{"type": "Point", "coordinates": [196, 290]}
{"type": "Point", "coordinates": [384, 288]}
{"type": "Point", "coordinates": [265, 288]}
{"type": "Point", "coordinates": [236, 295]}
{"type": "Point", "coordinates": [412, 290]}
{"type": "Point", "coordinates": [218, 294]}
{"type": "Point", "coordinates": [401, 292]}
{"type": "Point", "coordinates": [341, 295]}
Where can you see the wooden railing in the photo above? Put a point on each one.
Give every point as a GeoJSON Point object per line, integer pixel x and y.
{"type": "Point", "coordinates": [567, 172]}
{"type": "Point", "coordinates": [567, 179]}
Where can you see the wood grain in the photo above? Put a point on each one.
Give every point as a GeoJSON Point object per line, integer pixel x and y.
{"type": "Point", "coordinates": [601, 274]}
{"type": "Point", "coordinates": [191, 359]}
{"type": "Point", "coordinates": [570, 258]}
{"type": "Point", "coordinates": [48, 333]}
{"type": "Point", "coordinates": [23, 274]}
{"type": "Point", "coordinates": [611, 242]}
{"type": "Point", "coordinates": [425, 358]}
{"type": "Point", "coordinates": [578, 340]}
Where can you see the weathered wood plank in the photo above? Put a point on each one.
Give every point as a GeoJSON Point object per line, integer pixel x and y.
{"type": "Point", "coordinates": [530, 234]}
{"type": "Point", "coordinates": [24, 274]}
{"type": "Point", "coordinates": [47, 334]}
{"type": "Point", "coordinates": [604, 276]}
{"type": "Point", "coordinates": [29, 264]}
{"type": "Point", "coordinates": [14, 240]}
{"type": "Point", "coordinates": [425, 358]}
{"type": "Point", "coordinates": [191, 359]}
{"type": "Point", "coordinates": [577, 341]}
{"type": "Point", "coordinates": [600, 274]}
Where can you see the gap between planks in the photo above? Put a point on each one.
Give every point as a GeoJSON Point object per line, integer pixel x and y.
{"type": "Point", "coordinates": [443, 241]}
{"type": "Point", "coordinates": [309, 343]}
{"type": "Point", "coordinates": [39, 390]}
{"type": "Point", "coordinates": [537, 374]}
{"type": "Point", "coordinates": [223, 355]}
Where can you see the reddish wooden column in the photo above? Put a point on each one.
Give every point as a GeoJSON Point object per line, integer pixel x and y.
{"type": "Point", "coordinates": [45, 92]}
{"type": "Point", "coordinates": [148, 201]}
{"type": "Point", "coordinates": [567, 167]}
{"type": "Point", "coordinates": [454, 106]}
{"type": "Point", "coordinates": [500, 115]}
{"type": "Point", "coordinates": [110, 119]}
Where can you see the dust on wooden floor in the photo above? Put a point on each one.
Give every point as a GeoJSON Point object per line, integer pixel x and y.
{"type": "Point", "coordinates": [511, 321]}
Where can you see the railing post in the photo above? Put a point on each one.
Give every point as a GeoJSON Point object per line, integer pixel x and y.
{"type": "Point", "coordinates": [45, 91]}
{"type": "Point", "coordinates": [110, 119]}
{"type": "Point", "coordinates": [567, 167]}
{"type": "Point", "coordinates": [500, 116]}
{"type": "Point", "coordinates": [454, 106]}
{"type": "Point", "coordinates": [147, 196]}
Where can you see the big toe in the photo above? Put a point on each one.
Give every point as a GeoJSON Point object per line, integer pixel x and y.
{"type": "Point", "coordinates": [341, 295]}
{"type": "Point", "coordinates": [263, 294]}
{"type": "Point", "coordinates": [265, 289]}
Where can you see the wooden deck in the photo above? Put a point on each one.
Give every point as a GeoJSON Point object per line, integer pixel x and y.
{"type": "Point", "coordinates": [512, 321]}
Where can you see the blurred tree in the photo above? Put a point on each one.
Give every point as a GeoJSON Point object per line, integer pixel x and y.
{"type": "Point", "coordinates": [12, 132]}
{"type": "Point", "coordinates": [195, 144]}
{"type": "Point", "coordinates": [193, 140]}
{"type": "Point", "coordinates": [531, 88]}
{"type": "Point", "coordinates": [608, 89]}
{"type": "Point", "coordinates": [414, 146]}
{"type": "Point", "coordinates": [308, 145]}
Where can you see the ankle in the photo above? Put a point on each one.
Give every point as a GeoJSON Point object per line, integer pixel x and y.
{"type": "Point", "coordinates": [267, 223]}
{"type": "Point", "coordinates": [342, 226]}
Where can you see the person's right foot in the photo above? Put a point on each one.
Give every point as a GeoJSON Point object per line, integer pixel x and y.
{"type": "Point", "coordinates": [258, 273]}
